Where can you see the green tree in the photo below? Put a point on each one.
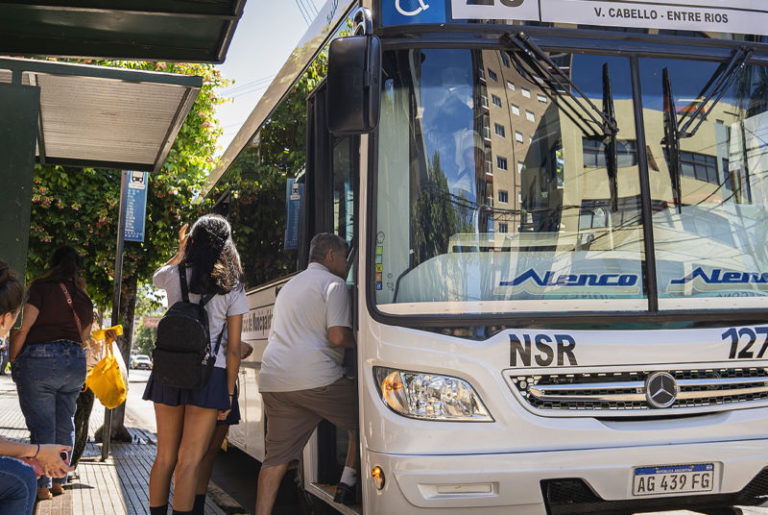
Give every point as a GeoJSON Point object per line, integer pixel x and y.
{"type": "Point", "coordinates": [144, 341]}
{"type": "Point", "coordinates": [437, 214]}
{"type": "Point", "coordinates": [79, 207]}
{"type": "Point", "coordinates": [252, 194]}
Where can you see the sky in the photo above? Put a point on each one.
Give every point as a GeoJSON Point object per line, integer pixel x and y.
{"type": "Point", "coordinates": [265, 36]}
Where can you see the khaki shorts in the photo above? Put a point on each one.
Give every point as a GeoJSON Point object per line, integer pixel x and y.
{"type": "Point", "coordinates": [293, 416]}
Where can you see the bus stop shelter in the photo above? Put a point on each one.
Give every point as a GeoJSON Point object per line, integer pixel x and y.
{"type": "Point", "coordinates": [93, 116]}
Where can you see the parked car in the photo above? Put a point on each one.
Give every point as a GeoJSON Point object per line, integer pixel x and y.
{"type": "Point", "coordinates": [141, 361]}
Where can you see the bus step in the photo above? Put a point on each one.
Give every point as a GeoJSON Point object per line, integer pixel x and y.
{"type": "Point", "coordinates": [325, 494]}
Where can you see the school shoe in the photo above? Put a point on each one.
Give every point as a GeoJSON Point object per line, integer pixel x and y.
{"type": "Point", "coordinates": [345, 494]}
{"type": "Point", "coordinates": [57, 489]}
{"type": "Point", "coordinates": [43, 494]}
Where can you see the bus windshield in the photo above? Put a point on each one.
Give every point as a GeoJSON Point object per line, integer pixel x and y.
{"type": "Point", "coordinates": [501, 191]}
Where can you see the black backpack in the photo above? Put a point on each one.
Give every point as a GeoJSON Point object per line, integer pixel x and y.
{"type": "Point", "coordinates": [182, 356]}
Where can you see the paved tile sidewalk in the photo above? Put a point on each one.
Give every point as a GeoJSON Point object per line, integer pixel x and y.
{"type": "Point", "coordinates": [118, 486]}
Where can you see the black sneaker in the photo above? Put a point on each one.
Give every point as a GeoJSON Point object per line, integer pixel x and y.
{"type": "Point", "coordinates": [345, 494]}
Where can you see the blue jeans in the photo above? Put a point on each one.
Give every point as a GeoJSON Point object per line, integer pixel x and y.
{"type": "Point", "coordinates": [49, 377]}
{"type": "Point", "coordinates": [18, 487]}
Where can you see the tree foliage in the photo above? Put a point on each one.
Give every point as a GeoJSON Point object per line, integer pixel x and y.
{"type": "Point", "coordinates": [437, 214]}
{"type": "Point", "coordinates": [79, 207]}
{"type": "Point", "coordinates": [252, 194]}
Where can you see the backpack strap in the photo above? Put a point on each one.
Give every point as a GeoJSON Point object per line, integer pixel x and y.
{"type": "Point", "coordinates": [183, 282]}
{"type": "Point", "coordinates": [184, 290]}
{"type": "Point", "coordinates": [218, 340]}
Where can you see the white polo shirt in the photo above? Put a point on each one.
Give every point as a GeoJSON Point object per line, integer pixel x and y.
{"type": "Point", "coordinates": [299, 355]}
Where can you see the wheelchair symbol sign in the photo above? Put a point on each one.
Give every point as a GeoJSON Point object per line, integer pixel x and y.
{"type": "Point", "coordinates": [423, 6]}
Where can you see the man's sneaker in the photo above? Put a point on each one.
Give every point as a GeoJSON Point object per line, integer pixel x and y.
{"type": "Point", "coordinates": [345, 494]}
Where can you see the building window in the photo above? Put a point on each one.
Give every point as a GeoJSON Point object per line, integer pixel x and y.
{"type": "Point", "coordinates": [483, 101]}
{"type": "Point", "coordinates": [503, 196]}
{"type": "Point", "coordinates": [504, 58]}
{"type": "Point", "coordinates": [526, 93]}
{"type": "Point", "coordinates": [511, 85]}
{"type": "Point", "coordinates": [541, 98]}
{"type": "Point", "coordinates": [515, 109]}
{"type": "Point", "coordinates": [487, 132]}
{"type": "Point", "coordinates": [489, 167]}
{"type": "Point", "coordinates": [530, 116]}
{"type": "Point", "coordinates": [499, 130]}
{"type": "Point", "coordinates": [481, 73]}
{"type": "Point", "coordinates": [594, 153]}
{"type": "Point", "coordinates": [699, 166]}
{"type": "Point", "coordinates": [492, 75]}
{"type": "Point", "coordinates": [520, 166]}
{"type": "Point", "coordinates": [501, 163]}
{"type": "Point", "coordinates": [518, 136]}
{"type": "Point", "coordinates": [496, 100]}
{"type": "Point", "coordinates": [503, 227]}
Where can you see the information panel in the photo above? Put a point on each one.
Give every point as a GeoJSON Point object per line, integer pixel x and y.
{"type": "Point", "coordinates": [293, 192]}
{"type": "Point", "coordinates": [136, 206]}
{"type": "Point", "coordinates": [734, 16]}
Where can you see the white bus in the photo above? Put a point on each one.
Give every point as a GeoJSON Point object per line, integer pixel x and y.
{"type": "Point", "coordinates": [557, 212]}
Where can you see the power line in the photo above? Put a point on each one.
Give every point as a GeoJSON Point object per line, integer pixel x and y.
{"type": "Point", "coordinates": [256, 83]}
{"type": "Point", "coordinates": [314, 7]}
{"type": "Point", "coordinates": [301, 10]}
{"type": "Point", "coordinates": [309, 6]}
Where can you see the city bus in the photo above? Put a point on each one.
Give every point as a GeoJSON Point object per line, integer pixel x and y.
{"type": "Point", "coordinates": [557, 218]}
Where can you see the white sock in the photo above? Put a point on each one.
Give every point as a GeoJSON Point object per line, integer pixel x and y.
{"type": "Point", "coordinates": [349, 476]}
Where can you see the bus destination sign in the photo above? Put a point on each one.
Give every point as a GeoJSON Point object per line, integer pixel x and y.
{"type": "Point", "coordinates": [734, 16]}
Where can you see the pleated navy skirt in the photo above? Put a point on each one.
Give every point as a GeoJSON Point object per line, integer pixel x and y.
{"type": "Point", "coordinates": [213, 396]}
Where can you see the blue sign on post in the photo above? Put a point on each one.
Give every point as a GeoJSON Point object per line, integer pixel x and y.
{"type": "Point", "coordinates": [293, 194]}
{"type": "Point", "coordinates": [136, 206]}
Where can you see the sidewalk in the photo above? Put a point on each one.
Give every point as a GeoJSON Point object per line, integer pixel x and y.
{"type": "Point", "coordinates": [118, 486]}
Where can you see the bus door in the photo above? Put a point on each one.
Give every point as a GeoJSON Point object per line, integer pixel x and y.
{"type": "Point", "coordinates": [330, 206]}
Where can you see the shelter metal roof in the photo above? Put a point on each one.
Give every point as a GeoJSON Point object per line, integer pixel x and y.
{"type": "Point", "coordinates": [172, 30]}
{"type": "Point", "coordinates": [104, 117]}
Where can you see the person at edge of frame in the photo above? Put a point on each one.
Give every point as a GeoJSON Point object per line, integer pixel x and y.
{"type": "Point", "coordinates": [22, 464]}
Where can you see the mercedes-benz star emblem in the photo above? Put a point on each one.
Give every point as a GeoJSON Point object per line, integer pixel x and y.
{"type": "Point", "coordinates": [661, 390]}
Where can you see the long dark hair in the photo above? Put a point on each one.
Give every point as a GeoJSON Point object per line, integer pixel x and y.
{"type": "Point", "coordinates": [213, 257]}
{"type": "Point", "coordinates": [65, 266]}
{"type": "Point", "coordinates": [11, 290]}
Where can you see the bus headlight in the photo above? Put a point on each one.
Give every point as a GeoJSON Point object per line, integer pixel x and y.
{"type": "Point", "coordinates": [430, 396]}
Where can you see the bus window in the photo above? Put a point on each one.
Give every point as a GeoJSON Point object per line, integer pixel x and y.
{"type": "Point", "coordinates": [711, 224]}
{"type": "Point", "coordinates": [484, 204]}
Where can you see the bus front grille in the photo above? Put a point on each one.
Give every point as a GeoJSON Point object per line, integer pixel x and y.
{"type": "Point", "coordinates": [635, 393]}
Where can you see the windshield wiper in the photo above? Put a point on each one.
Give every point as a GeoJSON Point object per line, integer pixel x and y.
{"type": "Point", "coordinates": [611, 154]}
{"type": "Point", "coordinates": [676, 129]}
{"type": "Point", "coordinates": [595, 124]}
{"type": "Point", "coordinates": [725, 75]}
{"type": "Point", "coordinates": [671, 138]}
{"type": "Point", "coordinates": [541, 70]}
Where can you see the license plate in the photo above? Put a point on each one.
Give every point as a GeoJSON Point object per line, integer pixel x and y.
{"type": "Point", "coordinates": [673, 479]}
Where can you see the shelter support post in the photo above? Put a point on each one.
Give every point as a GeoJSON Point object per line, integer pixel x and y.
{"type": "Point", "coordinates": [19, 108]}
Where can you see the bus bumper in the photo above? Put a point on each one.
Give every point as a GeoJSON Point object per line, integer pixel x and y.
{"type": "Point", "coordinates": [534, 482]}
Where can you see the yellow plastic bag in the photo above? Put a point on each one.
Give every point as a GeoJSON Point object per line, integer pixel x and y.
{"type": "Point", "coordinates": [106, 381]}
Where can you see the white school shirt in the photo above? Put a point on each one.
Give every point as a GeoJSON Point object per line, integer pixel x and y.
{"type": "Point", "coordinates": [298, 355]}
{"type": "Point", "coordinates": [218, 308]}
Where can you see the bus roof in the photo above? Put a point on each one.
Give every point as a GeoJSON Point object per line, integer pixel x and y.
{"type": "Point", "coordinates": [332, 13]}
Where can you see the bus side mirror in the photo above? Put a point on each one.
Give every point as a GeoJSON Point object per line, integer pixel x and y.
{"type": "Point", "coordinates": [354, 85]}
